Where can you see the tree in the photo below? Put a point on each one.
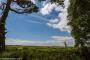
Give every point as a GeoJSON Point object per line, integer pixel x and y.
{"type": "Point", "coordinates": [26, 6]}
{"type": "Point", "coordinates": [58, 1]}
{"type": "Point", "coordinates": [79, 18]}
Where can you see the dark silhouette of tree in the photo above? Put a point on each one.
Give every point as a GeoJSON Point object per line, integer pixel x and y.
{"type": "Point", "coordinates": [79, 20]}
{"type": "Point", "coordinates": [79, 17]}
{"type": "Point", "coordinates": [58, 1]}
{"type": "Point", "coordinates": [26, 6]}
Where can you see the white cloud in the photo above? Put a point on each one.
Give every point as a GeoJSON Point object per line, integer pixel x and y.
{"type": "Point", "coordinates": [61, 25]}
{"type": "Point", "coordinates": [54, 21]}
{"type": "Point", "coordinates": [59, 8]}
{"type": "Point", "coordinates": [61, 39]}
{"type": "Point", "coordinates": [10, 41]}
{"type": "Point", "coordinates": [39, 17]}
{"type": "Point", "coordinates": [47, 9]}
{"type": "Point", "coordinates": [34, 1]}
{"type": "Point", "coordinates": [32, 21]}
{"type": "Point", "coordinates": [56, 41]}
{"type": "Point", "coordinates": [62, 20]}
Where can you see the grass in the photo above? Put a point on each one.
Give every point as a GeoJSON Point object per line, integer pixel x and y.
{"type": "Point", "coordinates": [42, 53]}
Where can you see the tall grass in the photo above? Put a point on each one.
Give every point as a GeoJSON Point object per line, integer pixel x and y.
{"type": "Point", "coordinates": [42, 53]}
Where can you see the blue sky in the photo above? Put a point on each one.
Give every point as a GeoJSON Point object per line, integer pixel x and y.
{"type": "Point", "coordinates": [31, 27]}
{"type": "Point", "coordinates": [38, 28]}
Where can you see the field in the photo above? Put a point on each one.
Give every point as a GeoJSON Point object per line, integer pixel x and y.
{"type": "Point", "coordinates": [43, 53]}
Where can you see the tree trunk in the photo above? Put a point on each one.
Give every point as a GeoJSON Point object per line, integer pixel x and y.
{"type": "Point", "coordinates": [2, 25]}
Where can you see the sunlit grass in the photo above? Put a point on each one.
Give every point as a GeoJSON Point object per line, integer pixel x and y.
{"type": "Point", "coordinates": [42, 53]}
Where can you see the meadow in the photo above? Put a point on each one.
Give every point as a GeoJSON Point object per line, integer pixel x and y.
{"type": "Point", "coordinates": [44, 53]}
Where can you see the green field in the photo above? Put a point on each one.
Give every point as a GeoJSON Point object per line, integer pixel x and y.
{"type": "Point", "coordinates": [43, 53]}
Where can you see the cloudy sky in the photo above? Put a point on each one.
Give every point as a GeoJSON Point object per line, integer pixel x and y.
{"type": "Point", "coordinates": [48, 27]}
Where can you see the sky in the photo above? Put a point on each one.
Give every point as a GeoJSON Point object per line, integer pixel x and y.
{"type": "Point", "coordinates": [47, 27]}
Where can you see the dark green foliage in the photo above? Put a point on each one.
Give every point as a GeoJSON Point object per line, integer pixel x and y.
{"type": "Point", "coordinates": [44, 53]}
{"type": "Point", "coordinates": [79, 17]}
{"type": "Point", "coordinates": [24, 3]}
{"type": "Point", "coordinates": [58, 1]}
